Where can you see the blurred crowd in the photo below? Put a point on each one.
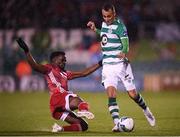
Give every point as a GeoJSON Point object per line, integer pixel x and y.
{"type": "Point", "coordinates": [154, 19]}
{"type": "Point", "coordinates": [140, 16]}
{"type": "Point", "coordinates": [76, 13]}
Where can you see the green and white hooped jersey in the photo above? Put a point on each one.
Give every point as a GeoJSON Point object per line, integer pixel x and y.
{"type": "Point", "coordinates": [111, 36]}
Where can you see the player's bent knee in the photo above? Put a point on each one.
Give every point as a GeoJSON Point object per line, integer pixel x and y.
{"type": "Point", "coordinates": [56, 115]}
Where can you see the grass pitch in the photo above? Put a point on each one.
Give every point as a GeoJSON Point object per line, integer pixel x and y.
{"type": "Point", "coordinates": [28, 114]}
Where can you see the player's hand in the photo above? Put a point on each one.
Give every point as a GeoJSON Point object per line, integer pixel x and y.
{"type": "Point", "coordinates": [91, 25]}
{"type": "Point", "coordinates": [121, 55]}
{"type": "Point", "coordinates": [22, 45]}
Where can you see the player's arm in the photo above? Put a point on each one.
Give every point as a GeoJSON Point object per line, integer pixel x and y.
{"type": "Point", "coordinates": [125, 44]}
{"type": "Point", "coordinates": [86, 71]}
{"type": "Point", "coordinates": [92, 26]}
{"type": "Point", "coordinates": [122, 34]}
{"type": "Point", "coordinates": [37, 67]}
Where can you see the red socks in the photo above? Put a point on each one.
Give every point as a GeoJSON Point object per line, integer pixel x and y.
{"type": "Point", "coordinates": [73, 127]}
{"type": "Point", "coordinates": [83, 106]}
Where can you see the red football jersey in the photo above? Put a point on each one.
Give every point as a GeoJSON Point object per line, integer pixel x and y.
{"type": "Point", "coordinates": [57, 79]}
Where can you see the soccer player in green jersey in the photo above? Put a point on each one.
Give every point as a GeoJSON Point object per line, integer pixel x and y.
{"type": "Point", "coordinates": [116, 67]}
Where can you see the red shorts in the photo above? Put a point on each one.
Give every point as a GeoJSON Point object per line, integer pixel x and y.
{"type": "Point", "coordinates": [59, 104]}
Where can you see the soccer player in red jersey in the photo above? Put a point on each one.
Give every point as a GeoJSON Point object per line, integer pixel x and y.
{"type": "Point", "coordinates": [62, 101]}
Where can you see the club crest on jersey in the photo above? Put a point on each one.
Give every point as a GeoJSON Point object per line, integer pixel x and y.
{"type": "Point", "coordinates": [104, 39]}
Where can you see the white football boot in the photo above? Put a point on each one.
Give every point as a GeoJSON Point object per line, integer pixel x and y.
{"type": "Point", "coordinates": [149, 116]}
{"type": "Point", "coordinates": [56, 128]}
{"type": "Point", "coordinates": [85, 114]}
{"type": "Point", "coordinates": [116, 128]}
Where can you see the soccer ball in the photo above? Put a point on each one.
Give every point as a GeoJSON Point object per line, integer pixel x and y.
{"type": "Point", "coordinates": [126, 124]}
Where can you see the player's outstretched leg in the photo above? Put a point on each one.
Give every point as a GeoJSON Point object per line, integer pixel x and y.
{"type": "Point", "coordinates": [76, 124]}
{"type": "Point", "coordinates": [149, 116]}
{"type": "Point", "coordinates": [82, 106]}
{"type": "Point", "coordinates": [140, 101]}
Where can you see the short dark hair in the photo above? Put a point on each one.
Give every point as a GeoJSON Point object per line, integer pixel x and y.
{"type": "Point", "coordinates": [55, 54]}
{"type": "Point", "coordinates": [108, 6]}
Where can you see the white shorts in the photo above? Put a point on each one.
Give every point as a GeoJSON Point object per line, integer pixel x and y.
{"type": "Point", "coordinates": [112, 74]}
{"type": "Point", "coordinates": [67, 107]}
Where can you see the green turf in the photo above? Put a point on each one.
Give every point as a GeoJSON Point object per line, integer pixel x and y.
{"type": "Point", "coordinates": [28, 114]}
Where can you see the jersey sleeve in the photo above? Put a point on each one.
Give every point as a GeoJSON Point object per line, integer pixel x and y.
{"type": "Point", "coordinates": [98, 31]}
{"type": "Point", "coordinates": [121, 30]}
{"type": "Point", "coordinates": [69, 75]}
{"type": "Point", "coordinates": [122, 34]}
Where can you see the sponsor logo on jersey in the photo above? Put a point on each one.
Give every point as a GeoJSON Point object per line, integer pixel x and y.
{"type": "Point", "coordinates": [104, 39]}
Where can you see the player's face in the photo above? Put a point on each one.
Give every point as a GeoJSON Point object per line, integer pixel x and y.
{"type": "Point", "coordinates": [108, 16]}
{"type": "Point", "coordinates": [60, 61]}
